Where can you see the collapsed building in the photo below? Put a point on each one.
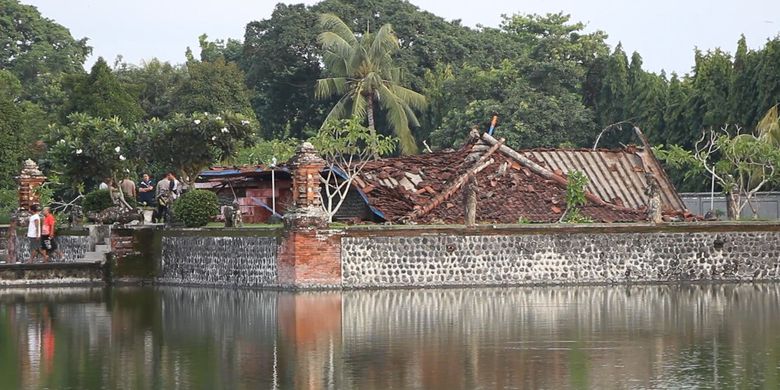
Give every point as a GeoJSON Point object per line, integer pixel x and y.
{"type": "Point", "coordinates": [509, 186]}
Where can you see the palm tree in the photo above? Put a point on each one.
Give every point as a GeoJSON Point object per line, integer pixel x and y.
{"type": "Point", "coordinates": [768, 127]}
{"type": "Point", "coordinates": [363, 74]}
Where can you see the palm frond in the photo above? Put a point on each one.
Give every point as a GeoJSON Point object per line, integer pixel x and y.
{"type": "Point", "coordinates": [397, 119]}
{"type": "Point", "coordinates": [383, 43]}
{"type": "Point", "coordinates": [768, 128]}
{"type": "Point", "coordinates": [411, 98]}
{"type": "Point", "coordinates": [331, 22]}
{"type": "Point", "coordinates": [337, 54]}
{"type": "Point", "coordinates": [328, 87]}
{"type": "Point", "coordinates": [339, 111]}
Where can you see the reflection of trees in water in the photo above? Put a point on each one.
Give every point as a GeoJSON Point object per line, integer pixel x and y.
{"type": "Point", "coordinates": [597, 337]}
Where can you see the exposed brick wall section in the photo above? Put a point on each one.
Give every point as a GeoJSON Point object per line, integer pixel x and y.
{"type": "Point", "coordinates": [122, 244]}
{"type": "Point", "coordinates": [310, 258]}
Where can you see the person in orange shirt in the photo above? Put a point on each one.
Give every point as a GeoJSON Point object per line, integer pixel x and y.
{"type": "Point", "coordinates": [48, 242]}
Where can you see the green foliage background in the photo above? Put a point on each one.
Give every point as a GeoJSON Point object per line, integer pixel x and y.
{"type": "Point", "coordinates": [551, 82]}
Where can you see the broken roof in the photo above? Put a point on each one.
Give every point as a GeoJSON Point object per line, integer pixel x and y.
{"type": "Point", "coordinates": [512, 186]}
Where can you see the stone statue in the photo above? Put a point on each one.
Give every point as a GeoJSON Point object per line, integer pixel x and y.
{"type": "Point", "coordinates": [654, 199]}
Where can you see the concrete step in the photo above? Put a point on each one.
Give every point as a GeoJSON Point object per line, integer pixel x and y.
{"type": "Point", "coordinates": [102, 248]}
{"type": "Point", "coordinates": [92, 257]}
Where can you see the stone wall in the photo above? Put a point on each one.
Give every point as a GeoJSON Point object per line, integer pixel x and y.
{"type": "Point", "coordinates": [202, 258]}
{"type": "Point", "coordinates": [73, 244]}
{"type": "Point", "coordinates": [551, 255]}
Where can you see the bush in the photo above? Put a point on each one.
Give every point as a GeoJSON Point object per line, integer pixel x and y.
{"type": "Point", "coordinates": [97, 201]}
{"type": "Point", "coordinates": [100, 200]}
{"type": "Point", "coordinates": [195, 208]}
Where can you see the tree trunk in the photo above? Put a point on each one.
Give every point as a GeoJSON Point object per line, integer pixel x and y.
{"type": "Point", "coordinates": [370, 113]}
{"type": "Point", "coordinates": [732, 212]}
{"type": "Point", "coordinates": [470, 201]}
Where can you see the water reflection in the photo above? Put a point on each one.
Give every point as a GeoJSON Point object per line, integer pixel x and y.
{"type": "Point", "coordinates": [704, 336]}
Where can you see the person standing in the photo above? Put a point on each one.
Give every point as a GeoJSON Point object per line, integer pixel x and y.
{"type": "Point", "coordinates": [34, 233]}
{"type": "Point", "coordinates": [105, 184]}
{"type": "Point", "coordinates": [146, 191]}
{"type": "Point", "coordinates": [128, 187]}
{"type": "Point", "coordinates": [168, 189]}
{"type": "Point", "coordinates": [48, 242]}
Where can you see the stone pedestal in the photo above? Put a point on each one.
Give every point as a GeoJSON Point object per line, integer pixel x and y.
{"type": "Point", "coordinates": [309, 255]}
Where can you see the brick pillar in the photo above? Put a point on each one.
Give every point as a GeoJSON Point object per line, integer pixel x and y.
{"type": "Point", "coordinates": [309, 255]}
{"type": "Point", "coordinates": [29, 180]}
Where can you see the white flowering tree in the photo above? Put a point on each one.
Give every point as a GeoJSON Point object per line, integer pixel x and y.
{"type": "Point", "coordinates": [188, 144]}
{"type": "Point", "coordinates": [89, 149]}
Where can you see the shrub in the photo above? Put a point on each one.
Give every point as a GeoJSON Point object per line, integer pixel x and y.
{"type": "Point", "coordinates": [100, 200]}
{"type": "Point", "coordinates": [195, 208]}
{"type": "Point", "coordinates": [97, 201]}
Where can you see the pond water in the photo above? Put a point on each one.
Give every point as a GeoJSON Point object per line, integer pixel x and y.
{"type": "Point", "coordinates": [700, 336]}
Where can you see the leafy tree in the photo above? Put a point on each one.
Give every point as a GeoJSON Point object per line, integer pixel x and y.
{"type": "Point", "coordinates": [38, 52]}
{"type": "Point", "coordinates": [12, 145]}
{"type": "Point", "coordinates": [154, 85]}
{"type": "Point", "coordinates": [211, 51]}
{"type": "Point", "coordinates": [614, 89]}
{"type": "Point", "coordinates": [264, 152]}
{"type": "Point", "coordinates": [363, 74]}
{"type": "Point", "coordinates": [213, 87]}
{"type": "Point", "coordinates": [101, 95]}
{"type": "Point", "coordinates": [88, 149]}
{"type": "Point", "coordinates": [282, 66]}
{"type": "Point", "coordinates": [347, 146]}
{"type": "Point", "coordinates": [742, 164]}
{"type": "Point", "coordinates": [708, 102]}
{"type": "Point", "coordinates": [742, 96]}
{"type": "Point", "coordinates": [189, 143]}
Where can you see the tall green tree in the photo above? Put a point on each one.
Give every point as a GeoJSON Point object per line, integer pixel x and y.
{"type": "Point", "coordinates": [614, 89]}
{"type": "Point", "coordinates": [154, 84]}
{"type": "Point", "coordinates": [363, 76]}
{"type": "Point", "coordinates": [212, 87]}
{"type": "Point", "coordinates": [100, 94]}
{"type": "Point", "coordinates": [281, 62]}
{"type": "Point", "coordinates": [38, 51]}
{"type": "Point", "coordinates": [742, 96]}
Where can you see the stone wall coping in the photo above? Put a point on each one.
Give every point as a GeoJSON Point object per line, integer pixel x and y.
{"type": "Point", "coordinates": [275, 231]}
{"type": "Point", "coordinates": [462, 230]}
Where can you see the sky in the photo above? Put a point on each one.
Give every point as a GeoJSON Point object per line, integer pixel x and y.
{"type": "Point", "coordinates": [664, 32]}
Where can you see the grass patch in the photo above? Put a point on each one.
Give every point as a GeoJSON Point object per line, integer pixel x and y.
{"type": "Point", "coordinates": [217, 225]}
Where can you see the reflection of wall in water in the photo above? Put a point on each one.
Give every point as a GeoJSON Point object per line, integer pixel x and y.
{"type": "Point", "coordinates": [528, 337]}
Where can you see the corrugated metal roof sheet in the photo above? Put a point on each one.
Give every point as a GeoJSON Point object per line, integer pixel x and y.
{"type": "Point", "coordinates": [617, 176]}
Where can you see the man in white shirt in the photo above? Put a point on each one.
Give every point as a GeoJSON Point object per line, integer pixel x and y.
{"type": "Point", "coordinates": [34, 233]}
{"type": "Point", "coordinates": [168, 189]}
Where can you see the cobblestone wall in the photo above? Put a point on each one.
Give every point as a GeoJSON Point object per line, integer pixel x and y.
{"type": "Point", "coordinates": [219, 261]}
{"type": "Point", "coordinates": [73, 248]}
{"type": "Point", "coordinates": [442, 260]}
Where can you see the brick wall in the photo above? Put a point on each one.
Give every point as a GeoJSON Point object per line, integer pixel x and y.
{"type": "Point", "coordinates": [310, 258]}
